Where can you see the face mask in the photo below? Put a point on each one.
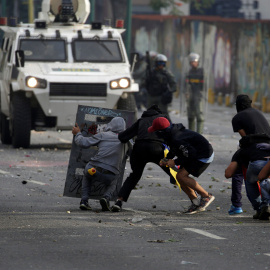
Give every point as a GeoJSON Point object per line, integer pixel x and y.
{"type": "Point", "coordinates": [164, 134]}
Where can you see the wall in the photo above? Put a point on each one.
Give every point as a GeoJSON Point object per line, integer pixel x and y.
{"type": "Point", "coordinates": [235, 53]}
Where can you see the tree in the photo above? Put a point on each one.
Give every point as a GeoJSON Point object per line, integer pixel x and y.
{"type": "Point", "coordinates": [199, 5]}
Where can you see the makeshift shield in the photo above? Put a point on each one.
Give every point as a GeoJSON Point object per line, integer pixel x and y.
{"type": "Point", "coordinates": [93, 120]}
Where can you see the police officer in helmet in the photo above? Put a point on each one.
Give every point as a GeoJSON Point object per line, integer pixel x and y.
{"type": "Point", "coordinates": [160, 84]}
{"type": "Point", "coordinates": [194, 94]}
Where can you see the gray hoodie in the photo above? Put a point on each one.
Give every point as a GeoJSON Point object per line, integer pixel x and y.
{"type": "Point", "coordinates": [110, 149]}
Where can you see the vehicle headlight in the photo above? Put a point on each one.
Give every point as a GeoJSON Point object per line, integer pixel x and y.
{"type": "Point", "coordinates": [34, 82]}
{"type": "Point", "coordinates": [122, 83]}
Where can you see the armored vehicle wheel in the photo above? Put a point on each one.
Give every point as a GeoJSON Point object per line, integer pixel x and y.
{"type": "Point", "coordinates": [21, 120]}
{"type": "Point", "coordinates": [128, 104]}
{"type": "Point", "coordinates": [4, 130]}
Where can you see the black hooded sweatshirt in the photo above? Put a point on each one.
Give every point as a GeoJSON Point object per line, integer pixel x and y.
{"type": "Point", "coordinates": [140, 128]}
{"type": "Point", "coordinates": [187, 143]}
{"type": "Point", "coordinates": [252, 121]}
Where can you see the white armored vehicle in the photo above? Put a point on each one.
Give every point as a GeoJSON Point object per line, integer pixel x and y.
{"type": "Point", "coordinates": [51, 66]}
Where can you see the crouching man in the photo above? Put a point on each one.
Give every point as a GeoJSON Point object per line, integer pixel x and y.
{"type": "Point", "coordinates": [193, 153]}
{"type": "Point", "coordinates": [105, 164]}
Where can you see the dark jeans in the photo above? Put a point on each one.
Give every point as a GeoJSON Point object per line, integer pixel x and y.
{"type": "Point", "coordinates": [237, 182]}
{"type": "Point", "coordinates": [253, 192]}
{"type": "Point", "coordinates": [265, 191]}
{"type": "Point", "coordinates": [109, 180]}
{"type": "Point", "coordinates": [142, 153]}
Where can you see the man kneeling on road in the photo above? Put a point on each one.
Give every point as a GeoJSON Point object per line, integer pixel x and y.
{"type": "Point", "coordinates": [106, 162]}
{"type": "Point", "coordinates": [193, 153]}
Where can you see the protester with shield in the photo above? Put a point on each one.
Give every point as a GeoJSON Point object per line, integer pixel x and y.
{"type": "Point", "coordinates": [106, 164]}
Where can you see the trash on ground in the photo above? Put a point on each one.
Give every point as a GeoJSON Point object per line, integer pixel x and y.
{"type": "Point", "coordinates": [185, 262]}
{"type": "Point", "coordinates": [136, 219]}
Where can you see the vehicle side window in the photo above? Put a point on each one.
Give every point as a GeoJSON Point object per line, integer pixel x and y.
{"type": "Point", "coordinates": [1, 39]}
{"type": "Point", "coordinates": [6, 45]}
{"type": "Point", "coordinates": [9, 53]}
{"type": "Point", "coordinates": [3, 52]}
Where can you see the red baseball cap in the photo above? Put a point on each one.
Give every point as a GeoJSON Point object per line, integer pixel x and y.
{"type": "Point", "coordinates": [159, 124]}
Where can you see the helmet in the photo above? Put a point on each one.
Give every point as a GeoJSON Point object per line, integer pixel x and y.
{"type": "Point", "coordinates": [194, 57]}
{"type": "Point", "coordinates": [153, 54]}
{"type": "Point", "coordinates": [161, 58]}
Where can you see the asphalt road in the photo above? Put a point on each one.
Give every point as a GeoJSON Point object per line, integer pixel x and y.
{"type": "Point", "coordinates": [41, 229]}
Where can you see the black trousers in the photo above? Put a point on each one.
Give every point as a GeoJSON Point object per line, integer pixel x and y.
{"type": "Point", "coordinates": [142, 153]}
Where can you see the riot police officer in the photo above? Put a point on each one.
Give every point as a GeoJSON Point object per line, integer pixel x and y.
{"type": "Point", "coordinates": [160, 84]}
{"type": "Point", "coordinates": [194, 94]}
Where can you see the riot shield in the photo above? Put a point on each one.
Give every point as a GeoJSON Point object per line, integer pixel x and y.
{"type": "Point", "coordinates": [93, 120]}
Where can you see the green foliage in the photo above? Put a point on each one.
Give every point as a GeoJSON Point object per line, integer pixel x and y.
{"type": "Point", "coordinates": [201, 4]}
{"type": "Point", "coordinates": [198, 4]}
{"type": "Point", "coordinates": [157, 4]}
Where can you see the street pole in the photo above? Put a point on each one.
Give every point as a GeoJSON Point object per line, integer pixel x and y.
{"type": "Point", "coordinates": [92, 10]}
{"type": "Point", "coordinates": [128, 31]}
{"type": "Point", "coordinates": [30, 11]}
{"type": "Point", "coordinates": [4, 10]}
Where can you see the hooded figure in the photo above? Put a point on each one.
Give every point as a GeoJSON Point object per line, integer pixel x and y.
{"type": "Point", "coordinates": [193, 153]}
{"type": "Point", "coordinates": [107, 160]}
{"type": "Point", "coordinates": [148, 147]}
{"type": "Point", "coordinates": [248, 120]}
{"type": "Point", "coordinates": [242, 102]}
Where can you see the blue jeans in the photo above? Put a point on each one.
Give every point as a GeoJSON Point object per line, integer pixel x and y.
{"type": "Point", "coordinates": [237, 182]}
{"type": "Point", "coordinates": [265, 190]}
{"type": "Point", "coordinates": [252, 187]}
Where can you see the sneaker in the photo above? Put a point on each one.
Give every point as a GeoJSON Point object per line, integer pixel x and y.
{"type": "Point", "coordinates": [105, 204]}
{"type": "Point", "coordinates": [265, 213]}
{"type": "Point", "coordinates": [117, 206]}
{"type": "Point", "coordinates": [84, 205]}
{"type": "Point", "coordinates": [193, 209]}
{"type": "Point", "coordinates": [235, 210]}
{"type": "Point", "coordinates": [206, 201]}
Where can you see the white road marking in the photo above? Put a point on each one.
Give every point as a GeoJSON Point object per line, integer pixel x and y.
{"type": "Point", "coordinates": [4, 172]}
{"type": "Point", "coordinates": [267, 254]}
{"type": "Point", "coordinates": [204, 233]}
{"type": "Point", "coordinates": [37, 182]}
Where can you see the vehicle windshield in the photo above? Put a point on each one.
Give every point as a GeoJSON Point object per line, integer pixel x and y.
{"type": "Point", "coordinates": [49, 50]}
{"type": "Point", "coordinates": [98, 51]}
